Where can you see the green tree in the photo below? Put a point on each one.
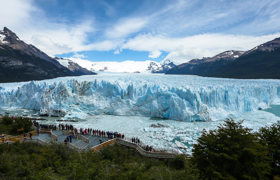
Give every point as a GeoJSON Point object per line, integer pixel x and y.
{"type": "Point", "coordinates": [270, 137]}
{"type": "Point", "coordinates": [230, 152]}
{"type": "Point", "coordinates": [22, 123]}
{"type": "Point", "coordinates": [7, 120]}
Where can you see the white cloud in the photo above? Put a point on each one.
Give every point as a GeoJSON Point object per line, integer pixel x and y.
{"type": "Point", "coordinates": [105, 45]}
{"type": "Point", "coordinates": [32, 25]}
{"type": "Point", "coordinates": [168, 28]}
{"type": "Point", "coordinates": [198, 46]}
{"type": "Point", "coordinates": [125, 27]}
{"type": "Point", "coordinates": [154, 54]}
{"type": "Point", "coordinates": [15, 13]}
{"type": "Point", "coordinates": [80, 56]}
{"type": "Point", "coordinates": [60, 39]}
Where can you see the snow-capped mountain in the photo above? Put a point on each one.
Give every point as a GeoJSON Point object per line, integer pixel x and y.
{"type": "Point", "coordinates": [162, 67]}
{"type": "Point", "coordinates": [227, 55]}
{"type": "Point", "coordinates": [206, 65]}
{"type": "Point", "coordinates": [268, 46]}
{"type": "Point", "coordinates": [125, 66]}
{"type": "Point", "coordinates": [74, 67]}
{"type": "Point", "coordinates": [10, 39]}
{"type": "Point", "coordinates": [261, 62]}
{"type": "Point", "coordinates": [23, 62]}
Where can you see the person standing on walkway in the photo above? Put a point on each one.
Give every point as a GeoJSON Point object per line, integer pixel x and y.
{"type": "Point", "coordinates": [24, 136]}
{"type": "Point", "coordinates": [30, 135]}
{"type": "Point", "coordinates": [70, 138]}
{"type": "Point", "coordinates": [38, 131]}
{"type": "Point", "coordinates": [3, 138]}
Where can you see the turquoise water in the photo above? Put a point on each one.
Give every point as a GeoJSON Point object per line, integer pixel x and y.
{"type": "Point", "coordinates": [274, 109]}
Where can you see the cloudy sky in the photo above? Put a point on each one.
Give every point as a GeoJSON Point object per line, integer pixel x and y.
{"type": "Point", "coordinates": [118, 30]}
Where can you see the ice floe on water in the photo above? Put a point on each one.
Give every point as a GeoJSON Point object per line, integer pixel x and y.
{"type": "Point", "coordinates": [171, 135]}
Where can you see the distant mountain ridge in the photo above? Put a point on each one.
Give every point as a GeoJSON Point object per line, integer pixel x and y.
{"type": "Point", "coordinates": [23, 62]}
{"type": "Point", "coordinates": [74, 67]}
{"type": "Point", "coordinates": [205, 66]}
{"type": "Point", "coordinates": [162, 67]}
{"type": "Point", "coordinates": [125, 66]}
{"type": "Point", "coordinates": [260, 62]}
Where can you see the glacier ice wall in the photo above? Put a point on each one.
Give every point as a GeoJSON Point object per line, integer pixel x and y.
{"type": "Point", "coordinates": [185, 98]}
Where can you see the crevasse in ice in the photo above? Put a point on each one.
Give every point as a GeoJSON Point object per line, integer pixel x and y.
{"type": "Point", "coordinates": [185, 98]}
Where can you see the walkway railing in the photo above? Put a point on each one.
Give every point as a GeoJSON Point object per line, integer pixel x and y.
{"type": "Point", "coordinates": [83, 138]}
{"type": "Point", "coordinates": [53, 136]}
{"type": "Point", "coordinates": [102, 145]}
{"type": "Point", "coordinates": [145, 153]}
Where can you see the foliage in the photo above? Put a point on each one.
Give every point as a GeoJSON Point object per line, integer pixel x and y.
{"type": "Point", "coordinates": [230, 152]}
{"type": "Point", "coordinates": [7, 120]}
{"type": "Point", "coordinates": [16, 125]}
{"type": "Point", "coordinates": [32, 161]}
{"type": "Point", "coordinates": [270, 137]}
{"type": "Point", "coordinates": [22, 123]}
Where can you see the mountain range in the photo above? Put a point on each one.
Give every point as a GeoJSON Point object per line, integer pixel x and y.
{"type": "Point", "coordinates": [125, 66]}
{"type": "Point", "coordinates": [24, 62]}
{"type": "Point", "coordinates": [261, 62]}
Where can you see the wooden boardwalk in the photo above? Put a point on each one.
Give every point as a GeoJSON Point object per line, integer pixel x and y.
{"type": "Point", "coordinates": [85, 142]}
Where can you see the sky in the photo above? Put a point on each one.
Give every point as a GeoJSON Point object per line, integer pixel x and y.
{"type": "Point", "coordinates": [139, 30]}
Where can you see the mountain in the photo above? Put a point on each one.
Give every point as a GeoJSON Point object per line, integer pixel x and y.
{"type": "Point", "coordinates": [74, 67]}
{"type": "Point", "coordinates": [23, 62]}
{"type": "Point", "coordinates": [125, 66]}
{"type": "Point", "coordinates": [163, 67]}
{"type": "Point", "coordinates": [261, 62]}
{"type": "Point", "coordinates": [207, 65]}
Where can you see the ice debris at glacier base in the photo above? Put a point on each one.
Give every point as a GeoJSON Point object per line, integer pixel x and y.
{"type": "Point", "coordinates": [177, 97]}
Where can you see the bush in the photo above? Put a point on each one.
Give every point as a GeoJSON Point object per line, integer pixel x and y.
{"type": "Point", "coordinates": [178, 162]}
{"type": "Point", "coordinates": [230, 152]}
{"type": "Point", "coordinates": [7, 120]}
{"type": "Point", "coordinates": [270, 137]}
{"type": "Point", "coordinates": [32, 161]}
{"type": "Point", "coordinates": [22, 123]}
{"type": "Point", "coordinates": [15, 125]}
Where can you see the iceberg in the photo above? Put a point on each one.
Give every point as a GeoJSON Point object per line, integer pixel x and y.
{"type": "Point", "coordinates": [176, 97]}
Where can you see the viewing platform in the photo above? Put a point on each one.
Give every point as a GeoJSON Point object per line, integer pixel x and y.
{"type": "Point", "coordinates": [92, 142]}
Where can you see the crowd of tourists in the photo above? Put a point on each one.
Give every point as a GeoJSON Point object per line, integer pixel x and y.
{"type": "Point", "coordinates": [89, 131]}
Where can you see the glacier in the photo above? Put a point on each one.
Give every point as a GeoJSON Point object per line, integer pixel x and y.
{"type": "Point", "coordinates": [175, 97]}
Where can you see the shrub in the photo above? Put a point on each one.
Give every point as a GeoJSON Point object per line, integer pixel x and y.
{"type": "Point", "coordinates": [178, 162]}
{"type": "Point", "coordinates": [7, 120]}
{"type": "Point", "coordinates": [230, 152]}
{"type": "Point", "coordinates": [22, 123]}
{"type": "Point", "coordinates": [270, 137]}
